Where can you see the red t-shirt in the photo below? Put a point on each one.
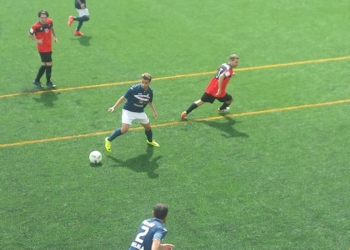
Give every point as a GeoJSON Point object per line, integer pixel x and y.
{"type": "Point", "coordinates": [213, 86]}
{"type": "Point", "coordinates": [44, 32]}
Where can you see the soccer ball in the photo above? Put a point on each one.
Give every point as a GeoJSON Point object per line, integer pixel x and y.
{"type": "Point", "coordinates": [95, 157]}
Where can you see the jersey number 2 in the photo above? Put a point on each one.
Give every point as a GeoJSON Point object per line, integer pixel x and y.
{"type": "Point", "coordinates": [143, 233]}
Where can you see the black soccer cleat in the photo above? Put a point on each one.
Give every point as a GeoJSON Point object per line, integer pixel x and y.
{"type": "Point", "coordinates": [38, 84]}
{"type": "Point", "coordinates": [50, 85]}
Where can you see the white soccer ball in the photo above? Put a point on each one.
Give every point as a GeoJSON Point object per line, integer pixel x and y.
{"type": "Point", "coordinates": [95, 157]}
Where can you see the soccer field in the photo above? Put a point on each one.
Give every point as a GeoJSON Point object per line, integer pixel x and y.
{"type": "Point", "coordinates": [271, 174]}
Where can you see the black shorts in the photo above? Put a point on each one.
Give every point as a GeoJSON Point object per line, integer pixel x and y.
{"type": "Point", "coordinates": [46, 56]}
{"type": "Point", "coordinates": [210, 98]}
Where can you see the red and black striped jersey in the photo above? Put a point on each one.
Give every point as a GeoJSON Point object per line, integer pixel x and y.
{"type": "Point", "coordinates": [43, 32]}
{"type": "Point", "coordinates": [213, 86]}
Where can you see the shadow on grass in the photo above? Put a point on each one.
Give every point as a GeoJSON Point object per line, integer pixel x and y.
{"type": "Point", "coordinates": [227, 127]}
{"type": "Point", "coordinates": [83, 40]}
{"type": "Point", "coordinates": [47, 97]}
{"type": "Point", "coordinates": [96, 165]}
{"type": "Point", "coordinates": [33, 89]}
{"type": "Point", "coordinates": [141, 163]}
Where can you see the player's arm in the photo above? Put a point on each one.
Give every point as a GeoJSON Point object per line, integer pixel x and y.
{"type": "Point", "coordinates": [166, 246]}
{"type": "Point", "coordinates": [31, 35]}
{"type": "Point", "coordinates": [153, 109]}
{"type": "Point", "coordinates": [54, 35]}
{"type": "Point", "coordinates": [82, 5]}
{"type": "Point", "coordinates": [220, 80]}
{"type": "Point", "coordinates": [120, 101]}
{"type": "Point", "coordinates": [157, 246]}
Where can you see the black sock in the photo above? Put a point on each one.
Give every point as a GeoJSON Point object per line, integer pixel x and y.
{"type": "Point", "coordinates": [48, 73]}
{"type": "Point", "coordinates": [192, 107]}
{"type": "Point", "coordinates": [40, 73]}
{"type": "Point", "coordinates": [81, 20]}
{"type": "Point", "coordinates": [149, 135]}
{"type": "Point", "coordinates": [79, 25]}
{"type": "Point", "coordinates": [224, 106]}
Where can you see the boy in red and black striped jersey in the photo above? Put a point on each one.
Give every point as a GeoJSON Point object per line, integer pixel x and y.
{"type": "Point", "coordinates": [42, 32]}
{"type": "Point", "coordinates": [216, 89]}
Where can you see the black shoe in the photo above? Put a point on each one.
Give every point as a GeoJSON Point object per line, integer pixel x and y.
{"type": "Point", "coordinates": [50, 85]}
{"type": "Point", "coordinates": [38, 84]}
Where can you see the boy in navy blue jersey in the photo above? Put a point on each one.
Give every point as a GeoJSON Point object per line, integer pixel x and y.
{"type": "Point", "coordinates": [151, 231]}
{"type": "Point", "coordinates": [138, 96]}
{"type": "Point", "coordinates": [80, 5]}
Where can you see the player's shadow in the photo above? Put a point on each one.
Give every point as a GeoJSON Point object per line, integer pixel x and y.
{"type": "Point", "coordinates": [83, 40]}
{"type": "Point", "coordinates": [32, 89]}
{"type": "Point", "coordinates": [141, 163]}
{"type": "Point", "coordinates": [226, 127]}
{"type": "Point", "coordinates": [47, 98]}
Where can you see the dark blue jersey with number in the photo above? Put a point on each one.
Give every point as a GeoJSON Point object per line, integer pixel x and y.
{"type": "Point", "coordinates": [149, 230]}
{"type": "Point", "coordinates": [137, 98]}
{"type": "Point", "coordinates": [77, 4]}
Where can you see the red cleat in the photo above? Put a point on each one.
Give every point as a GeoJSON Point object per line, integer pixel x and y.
{"type": "Point", "coordinates": [70, 20]}
{"type": "Point", "coordinates": [183, 115]}
{"type": "Point", "coordinates": [78, 33]}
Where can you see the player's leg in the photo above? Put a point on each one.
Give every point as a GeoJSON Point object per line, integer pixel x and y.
{"type": "Point", "coordinates": [126, 123]}
{"type": "Point", "coordinates": [143, 119]}
{"type": "Point", "coordinates": [81, 20]}
{"type": "Point", "coordinates": [115, 134]}
{"type": "Point", "coordinates": [71, 19]}
{"type": "Point", "coordinates": [205, 98]}
{"type": "Point", "coordinates": [83, 17]}
{"type": "Point", "coordinates": [41, 71]}
{"type": "Point", "coordinates": [226, 101]}
{"type": "Point", "coordinates": [119, 131]}
{"type": "Point", "coordinates": [149, 134]}
{"type": "Point", "coordinates": [48, 58]}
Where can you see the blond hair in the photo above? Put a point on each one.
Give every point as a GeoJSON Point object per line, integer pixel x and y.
{"type": "Point", "coordinates": [146, 76]}
{"type": "Point", "coordinates": [234, 57]}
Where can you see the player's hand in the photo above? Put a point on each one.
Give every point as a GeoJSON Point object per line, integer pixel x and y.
{"type": "Point", "coordinates": [40, 41]}
{"type": "Point", "coordinates": [167, 246]}
{"type": "Point", "coordinates": [218, 93]}
{"type": "Point", "coordinates": [111, 109]}
{"type": "Point", "coordinates": [82, 6]}
{"type": "Point", "coordinates": [155, 115]}
{"type": "Point", "coordinates": [56, 40]}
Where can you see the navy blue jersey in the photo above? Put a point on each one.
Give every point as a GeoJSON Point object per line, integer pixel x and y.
{"type": "Point", "coordinates": [148, 230]}
{"type": "Point", "coordinates": [77, 4]}
{"type": "Point", "coordinates": [137, 98]}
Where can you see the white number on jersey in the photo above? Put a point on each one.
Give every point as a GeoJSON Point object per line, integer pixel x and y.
{"type": "Point", "coordinates": [143, 233]}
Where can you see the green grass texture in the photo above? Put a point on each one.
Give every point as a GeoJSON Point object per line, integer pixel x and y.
{"type": "Point", "coordinates": [272, 174]}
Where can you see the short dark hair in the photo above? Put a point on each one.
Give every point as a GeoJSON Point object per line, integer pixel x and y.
{"type": "Point", "coordinates": [43, 12]}
{"type": "Point", "coordinates": [234, 57]}
{"type": "Point", "coordinates": [146, 76]}
{"type": "Point", "coordinates": [160, 211]}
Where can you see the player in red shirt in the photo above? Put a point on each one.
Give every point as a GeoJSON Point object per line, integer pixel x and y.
{"type": "Point", "coordinates": [216, 89]}
{"type": "Point", "coordinates": [42, 32]}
